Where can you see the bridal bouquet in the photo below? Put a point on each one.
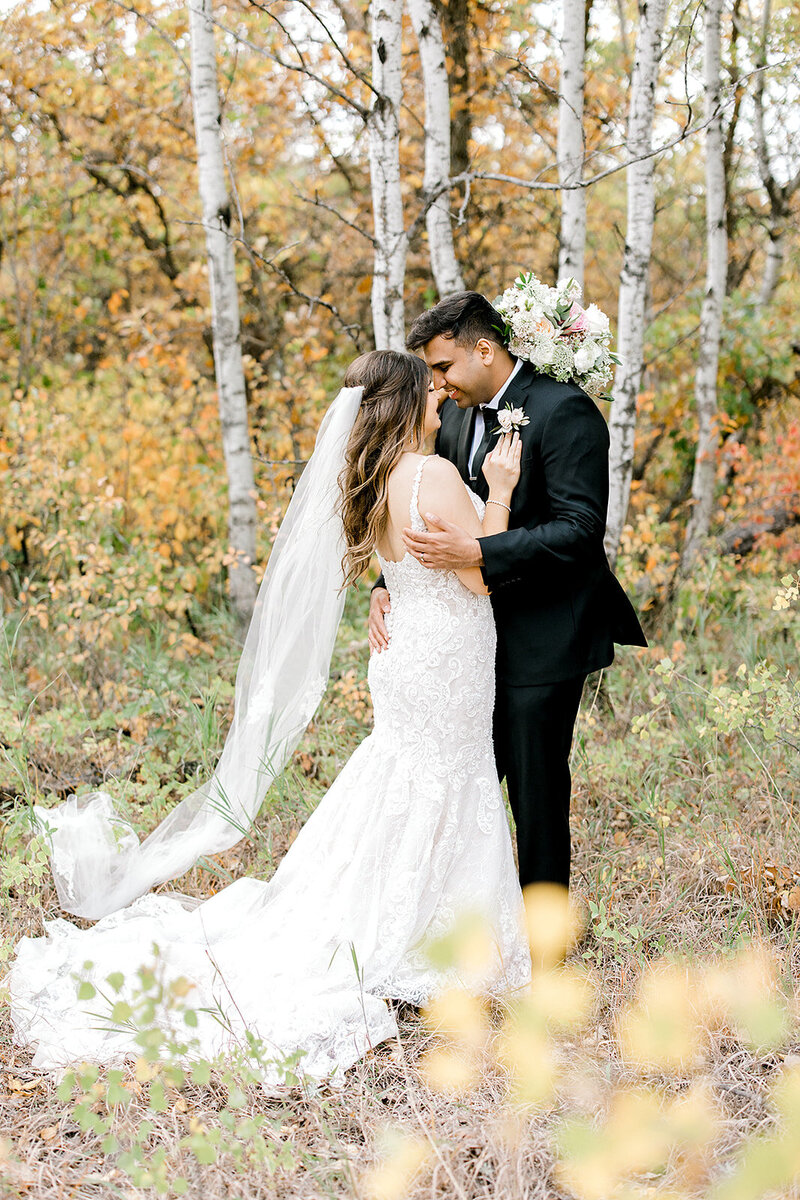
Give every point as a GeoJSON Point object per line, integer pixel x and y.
{"type": "Point", "coordinates": [549, 328]}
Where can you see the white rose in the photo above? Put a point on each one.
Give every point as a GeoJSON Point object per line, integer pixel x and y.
{"type": "Point", "coordinates": [527, 323]}
{"type": "Point", "coordinates": [504, 419]}
{"type": "Point", "coordinates": [596, 321]}
{"type": "Point", "coordinates": [586, 356]}
{"type": "Point", "coordinates": [569, 287]}
{"type": "Point", "coordinates": [518, 417]}
{"type": "Point", "coordinates": [543, 353]}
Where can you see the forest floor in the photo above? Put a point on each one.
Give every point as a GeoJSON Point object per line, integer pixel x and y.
{"type": "Point", "coordinates": [686, 853]}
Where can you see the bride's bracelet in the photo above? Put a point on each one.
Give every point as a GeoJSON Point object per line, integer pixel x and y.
{"type": "Point", "coordinates": [500, 504]}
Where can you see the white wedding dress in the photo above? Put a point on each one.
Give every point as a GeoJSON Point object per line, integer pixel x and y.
{"type": "Point", "coordinates": [412, 833]}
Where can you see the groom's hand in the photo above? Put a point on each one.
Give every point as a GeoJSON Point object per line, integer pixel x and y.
{"type": "Point", "coordinates": [379, 605]}
{"type": "Point", "coordinates": [445, 546]}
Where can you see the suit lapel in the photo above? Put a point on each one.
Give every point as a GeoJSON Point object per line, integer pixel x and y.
{"type": "Point", "coordinates": [486, 443]}
{"type": "Point", "coordinates": [515, 396]}
{"type": "Point", "coordinates": [518, 391]}
{"type": "Point", "coordinates": [465, 441]}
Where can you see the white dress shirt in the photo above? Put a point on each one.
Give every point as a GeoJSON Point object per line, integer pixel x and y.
{"type": "Point", "coordinates": [480, 417]}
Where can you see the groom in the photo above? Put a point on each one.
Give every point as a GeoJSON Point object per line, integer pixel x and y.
{"type": "Point", "coordinates": [557, 606]}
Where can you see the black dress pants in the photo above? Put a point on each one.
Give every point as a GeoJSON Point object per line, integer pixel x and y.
{"type": "Point", "coordinates": [532, 740]}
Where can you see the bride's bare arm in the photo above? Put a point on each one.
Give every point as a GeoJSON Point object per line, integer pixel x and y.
{"type": "Point", "coordinates": [442, 491]}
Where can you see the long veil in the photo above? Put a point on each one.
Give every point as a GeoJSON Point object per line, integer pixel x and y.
{"type": "Point", "coordinates": [98, 863]}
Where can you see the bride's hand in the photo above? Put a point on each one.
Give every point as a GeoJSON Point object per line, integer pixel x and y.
{"type": "Point", "coordinates": [501, 467]}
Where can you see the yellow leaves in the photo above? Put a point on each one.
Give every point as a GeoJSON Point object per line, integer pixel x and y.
{"type": "Point", "coordinates": [528, 1054]}
{"type": "Point", "coordinates": [747, 993]}
{"type": "Point", "coordinates": [180, 988]}
{"type": "Point", "coordinates": [20, 1086]}
{"type": "Point", "coordinates": [461, 1018]}
{"type": "Point", "coordinates": [458, 1014]}
{"type": "Point", "coordinates": [131, 431]}
{"type": "Point", "coordinates": [404, 1155]}
{"type": "Point", "coordinates": [661, 1030]}
{"type": "Point", "coordinates": [117, 299]}
{"type": "Point", "coordinates": [774, 887]}
{"type": "Point", "coordinates": [562, 999]}
{"type": "Point", "coordinates": [552, 921]}
{"type": "Point", "coordinates": [638, 1135]}
{"type": "Point", "coordinates": [451, 1072]}
{"type": "Point", "coordinates": [145, 1071]}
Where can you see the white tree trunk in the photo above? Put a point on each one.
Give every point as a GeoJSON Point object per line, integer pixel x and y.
{"type": "Point", "coordinates": [384, 163]}
{"type": "Point", "coordinates": [444, 265]}
{"type": "Point", "coordinates": [631, 317]}
{"type": "Point", "coordinates": [570, 140]}
{"type": "Point", "coordinates": [705, 388]}
{"type": "Point", "coordinates": [224, 310]}
{"type": "Point", "coordinates": [773, 266]}
{"type": "Point", "coordinates": [778, 195]}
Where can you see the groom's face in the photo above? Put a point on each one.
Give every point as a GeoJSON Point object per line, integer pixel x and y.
{"type": "Point", "coordinates": [465, 373]}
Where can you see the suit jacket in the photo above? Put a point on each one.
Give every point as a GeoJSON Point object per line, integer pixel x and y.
{"type": "Point", "coordinates": [558, 607]}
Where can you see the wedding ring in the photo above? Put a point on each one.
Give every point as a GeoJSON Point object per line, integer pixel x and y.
{"type": "Point", "coordinates": [422, 557]}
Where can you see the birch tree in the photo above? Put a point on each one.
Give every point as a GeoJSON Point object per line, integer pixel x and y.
{"type": "Point", "coordinates": [779, 195]}
{"type": "Point", "coordinates": [631, 317]}
{"type": "Point", "coordinates": [570, 140]}
{"type": "Point", "coordinates": [427, 27]}
{"type": "Point", "coordinates": [457, 25]}
{"type": "Point", "coordinates": [386, 21]}
{"type": "Point", "coordinates": [224, 309]}
{"type": "Point", "coordinates": [705, 389]}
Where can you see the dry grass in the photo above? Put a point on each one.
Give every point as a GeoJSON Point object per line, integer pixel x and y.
{"type": "Point", "coordinates": [674, 835]}
{"type": "Point", "coordinates": [478, 1146]}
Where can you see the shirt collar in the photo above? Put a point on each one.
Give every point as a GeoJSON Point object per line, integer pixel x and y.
{"type": "Point", "coordinates": [494, 403]}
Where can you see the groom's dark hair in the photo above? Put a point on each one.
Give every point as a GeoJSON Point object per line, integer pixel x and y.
{"type": "Point", "coordinates": [465, 317]}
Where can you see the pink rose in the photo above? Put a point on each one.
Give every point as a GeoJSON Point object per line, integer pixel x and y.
{"type": "Point", "coordinates": [575, 320]}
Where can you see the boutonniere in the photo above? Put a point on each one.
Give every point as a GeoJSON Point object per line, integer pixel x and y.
{"type": "Point", "coordinates": [510, 420]}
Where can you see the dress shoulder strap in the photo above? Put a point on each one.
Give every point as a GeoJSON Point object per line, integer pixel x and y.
{"type": "Point", "coordinates": [417, 522]}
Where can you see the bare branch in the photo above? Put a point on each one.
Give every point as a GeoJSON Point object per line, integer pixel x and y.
{"type": "Point", "coordinates": [317, 203]}
{"type": "Point", "coordinates": [348, 62]}
{"type": "Point", "coordinates": [154, 25]}
{"type": "Point", "coordinates": [300, 67]}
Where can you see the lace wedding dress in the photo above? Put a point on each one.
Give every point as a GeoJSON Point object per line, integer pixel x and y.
{"type": "Point", "coordinates": [412, 833]}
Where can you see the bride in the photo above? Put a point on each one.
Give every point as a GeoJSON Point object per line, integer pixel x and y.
{"type": "Point", "coordinates": [412, 833]}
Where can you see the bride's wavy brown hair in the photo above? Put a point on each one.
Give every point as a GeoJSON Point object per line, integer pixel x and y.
{"type": "Point", "coordinates": [390, 419]}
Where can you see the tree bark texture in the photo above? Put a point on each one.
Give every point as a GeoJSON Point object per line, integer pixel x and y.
{"type": "Point", "coordinates": [632, 311]}
{"type": "Point", "coordinates": [773, 263]}
{"type": "Point", "coordinates": [444, 265]}
{"type": "Point", "coordinates": [228, 366]}
{"type": "Point", "coordinates": [388, 280]}
{"type": "Point", "coordinates": [457, 21]}
{"type": "Point", "coordinates": [779, 196]}
{"type": "Point", "coordinates": [711, 312]}
{"type": "Point", "coordinates": [572, 243]}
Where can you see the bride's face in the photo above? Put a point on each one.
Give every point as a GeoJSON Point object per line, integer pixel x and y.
{"type": "Point", "coordinates": [436, 398]}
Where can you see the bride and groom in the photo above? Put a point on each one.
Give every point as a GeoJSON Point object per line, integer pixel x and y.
{"type": "Point", "coordinates": [510, 571]}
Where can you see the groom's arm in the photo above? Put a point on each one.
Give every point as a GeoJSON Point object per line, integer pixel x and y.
{"type": "Point", "coordinates": [574, 457]}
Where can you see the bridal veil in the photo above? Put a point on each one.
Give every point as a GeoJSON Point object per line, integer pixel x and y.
{"type": "Point", "coordinates": [98, 863]}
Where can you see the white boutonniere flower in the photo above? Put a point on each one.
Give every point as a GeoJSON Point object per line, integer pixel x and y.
{"type": "Point", "coordinates": [510, 420]}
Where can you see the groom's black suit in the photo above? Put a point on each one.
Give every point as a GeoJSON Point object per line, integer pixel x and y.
{"type": "Point", "coordinates": [557, 605]}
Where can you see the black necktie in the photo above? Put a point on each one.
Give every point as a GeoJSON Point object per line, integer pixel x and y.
{"type": "Point", "coordinates": [485, 444]}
